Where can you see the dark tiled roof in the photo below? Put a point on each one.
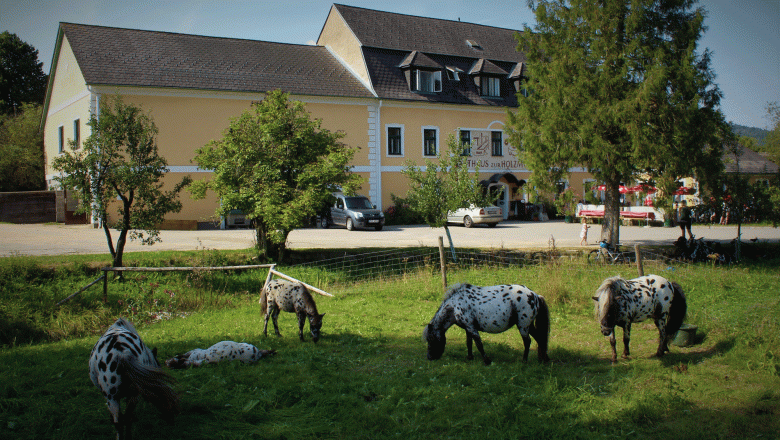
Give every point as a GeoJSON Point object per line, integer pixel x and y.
{"type": "Point", "coordinates": [750, 162]}
{"type": "Point", "coordinates": [487, 67]}
{"type": "Point", "coordinates": [127, 57]}
{"type": "Point", "coordinates": [390, 82]}
{"type": "Point", "coordinates": [386, 30]}
{"type": "Point", "coordinates": [417, 59]}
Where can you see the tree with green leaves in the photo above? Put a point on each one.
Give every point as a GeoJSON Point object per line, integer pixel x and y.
{"type": "Point", "coordinates": [443, 186]}
{"type": "Point", "coordinates": [618, 87]}
{"type": "Point", "coordinates": [21, 74]}
{"type": "Point", "coordinates": [278, 166]}
{"type": "Point", "coordinates": [21, 150]}
{"type": "Point", "coordinates": [119, 160]}
{"type": "Point", "coordinates": [772, 143]}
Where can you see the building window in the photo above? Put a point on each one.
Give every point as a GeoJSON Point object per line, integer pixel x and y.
{"type": "Point", "coordinates": [61, 134]}
{"type": "Point", "coordinates": [430, 141]}
{"type": "Point", "coordinates": [395, 141]}
{"type": "Point", "coordinates": [76, 134]}
{"type": "Point", "coordinates": [497, 143]}
{"type": "Point", "coordinates": [428, 81]}
{"type": "Point", "coordinates": [491, 86]}
{"type": "Point", "coordinates": [465, 139]}
{"type": "Point", "coordinates": [453, 73]}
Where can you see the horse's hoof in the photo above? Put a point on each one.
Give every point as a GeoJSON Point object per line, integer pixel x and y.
{"type": "Point", "coordinates": [488, 362]}
{"type": "Point", "coordinates": [470, 357]}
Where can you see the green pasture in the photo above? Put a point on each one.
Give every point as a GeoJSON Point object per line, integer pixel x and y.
{"type": "Point", "coordinates": [368, 376]}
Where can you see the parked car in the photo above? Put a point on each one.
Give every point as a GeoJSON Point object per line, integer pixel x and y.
{"type": "Point", "coordinates": [353, 212]}
{"type": "Point", "coordinates": [489, 215]}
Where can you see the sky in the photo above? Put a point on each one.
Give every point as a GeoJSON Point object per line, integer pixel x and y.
{"type": "Point", "coordinates": [743, 36]}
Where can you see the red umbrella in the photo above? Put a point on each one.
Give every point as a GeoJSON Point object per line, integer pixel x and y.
{"type": "Point", "coordinates": [683, 190]}
{"type": "Point", "coordinates": [645, 188]}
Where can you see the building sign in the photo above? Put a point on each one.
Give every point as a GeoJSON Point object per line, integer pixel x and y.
{"type": "Point", "coordinates": [483, 155]}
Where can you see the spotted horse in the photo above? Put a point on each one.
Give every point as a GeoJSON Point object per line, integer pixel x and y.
{"type": "Point", "coordinates": [122, 366]}
{"type": "Point", "coordinates": [621, 302]}
{"type": "Point", "coordinates": [491, 309]}
{"type": "Point", "coordinates": [288, 296]}
{"type": "Point", "coordinates": [221, 351]}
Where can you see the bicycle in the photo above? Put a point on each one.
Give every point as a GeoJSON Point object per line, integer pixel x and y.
{"type": "Point", "coordinates": [609, 254]}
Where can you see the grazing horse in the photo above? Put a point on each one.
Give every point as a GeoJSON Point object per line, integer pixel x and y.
{"type": "Point", "coordinates": [288, 296]}
{"type": "Point", "coordinates": [225, 350]}
{"type": "Point", "coordinates": [620, 302]}
{"type": "Point", "coordinates": [492, 309]}
{"type": "Point", "coordinates": [122, 366]}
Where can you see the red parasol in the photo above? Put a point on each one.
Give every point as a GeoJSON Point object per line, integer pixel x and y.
{"type": "Point", "coordinates": [683, 190]}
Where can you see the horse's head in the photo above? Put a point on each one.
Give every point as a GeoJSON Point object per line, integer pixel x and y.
{"type": "Point", "coordinates": [436, 342]}
{"type": "Point", "coordinates": [606, 307]}
{"type": "Point", "coordinates": [315, 324]}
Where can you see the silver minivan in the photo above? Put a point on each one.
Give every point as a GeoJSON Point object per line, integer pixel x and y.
{"type": "Point", "coordinates": [353, 212]}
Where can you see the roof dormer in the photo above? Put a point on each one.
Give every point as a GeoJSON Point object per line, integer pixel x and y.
{"type": "Point", "coordinates": [423, 75]}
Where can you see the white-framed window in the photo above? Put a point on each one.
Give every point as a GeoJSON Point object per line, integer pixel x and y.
{"type": "Point", "coordinates": [427, 81]}
{"type": "Point", "coordinates": [77, 133]}
{"type": "Point", "coordinates": [394, 139]}
{"type": "Point", "coordinates": [497, 143]}
{"type": "Point", "coordinates": [491, 86]}
{"type": "Point", "coordinates": [430, 136]}
{"type": "Point", "coordinates": [465, 139]}
{"type": "Point", "coordinates": [61, 138]}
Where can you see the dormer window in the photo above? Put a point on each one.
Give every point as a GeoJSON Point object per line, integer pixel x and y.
{"type": "Point", "coordinates": [453, 73]}
{"type": "Point", "coordinates": [427, 81]}
{"type": "Point", "coordinates": [491, 86]}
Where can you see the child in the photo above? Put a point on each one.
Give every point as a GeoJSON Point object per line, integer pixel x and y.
{"type": "Point", "coordinates": [584, 233]}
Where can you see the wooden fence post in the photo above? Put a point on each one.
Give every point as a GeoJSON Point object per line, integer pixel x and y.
{"type": "Point", "coordinates": [443, 263]}
{"type": "Point", "coordinates": [639, 266]}
{"type": "Point", "coordinates": [105, 286]}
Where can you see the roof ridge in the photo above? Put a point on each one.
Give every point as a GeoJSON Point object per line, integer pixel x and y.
{"type": "Point", "coordinates": [427, 18]}
{"type": "Point", "coordinates": [183, 34]}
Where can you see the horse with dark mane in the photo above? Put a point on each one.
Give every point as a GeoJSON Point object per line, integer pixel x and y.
{"type": "Point", "coordinates": [492, 309]}
{"type": "Point", "coordinates": [122, 366]}
{"type": "Point", "coordinates": [620, 302]}
{"type": "Point", "coordinates": [288, 296]}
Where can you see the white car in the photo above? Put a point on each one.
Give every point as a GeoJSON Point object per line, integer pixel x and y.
{"type": "Point", "coordinates": [489, 215]}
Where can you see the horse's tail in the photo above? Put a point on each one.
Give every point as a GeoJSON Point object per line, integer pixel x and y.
{"type": "Point", "coordinates": [677, 311]}
{"type": "Point", "coordinates": [542, 329]}
{"type": "Point", "coordinates": [154, 384]}
{"type": "Point", "coordinates": [264, 300]}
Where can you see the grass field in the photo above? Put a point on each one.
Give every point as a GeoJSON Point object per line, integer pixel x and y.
{"type": "Point", "coordinates": [368, 376]}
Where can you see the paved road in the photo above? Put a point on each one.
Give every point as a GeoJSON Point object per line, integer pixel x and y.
{"type": "Point", "coordinates": [40, 239]}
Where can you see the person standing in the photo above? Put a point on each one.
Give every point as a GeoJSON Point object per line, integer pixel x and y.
{"type": "Point", "coordinates": [584, 233]}
{"type": "Point", "coordinates": [684, 219]}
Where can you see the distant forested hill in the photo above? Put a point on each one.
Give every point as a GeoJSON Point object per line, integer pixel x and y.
{"type": "Point", "coordinates": [759, 134]}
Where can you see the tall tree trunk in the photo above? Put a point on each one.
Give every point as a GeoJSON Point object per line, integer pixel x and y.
{"type": "Point", "coordinates": [122, 240]}
{"type": "Point", "coordinates": [610, 230]}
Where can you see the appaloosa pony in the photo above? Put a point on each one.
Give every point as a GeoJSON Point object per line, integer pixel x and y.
{"type": "Point", "coordinates": [288, 296]}
{"type": "Point", "coordinates": [620, 302]}
{"type": "Point", "coordinates": [122, 366]}
{"type": "Point", "coordinates": [491, 309]}
{"type": "Point", "coordinates": [221, 351]}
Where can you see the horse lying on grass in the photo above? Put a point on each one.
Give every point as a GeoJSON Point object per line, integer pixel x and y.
{"type": "Point", "coordinates": [283, 295]}
{"type": "Point", "coordinates": [221, 351]}
{"type": "Point", "coordinates": [621, 302]}
{"type": "Point", "coordinates": [122, 366]}
{"type": "Point", "coordinates": [492, 309]}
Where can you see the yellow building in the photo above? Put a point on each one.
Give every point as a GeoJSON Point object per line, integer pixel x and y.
{"type": "Point", "coordinates": [397, 85]}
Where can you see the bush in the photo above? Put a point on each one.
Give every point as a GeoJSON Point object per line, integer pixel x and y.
{"type": "Point", "coordinates": [400, 213]}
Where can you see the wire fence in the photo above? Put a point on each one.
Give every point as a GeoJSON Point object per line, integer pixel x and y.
{"type": "Point", "coordinates": [423, 262]}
